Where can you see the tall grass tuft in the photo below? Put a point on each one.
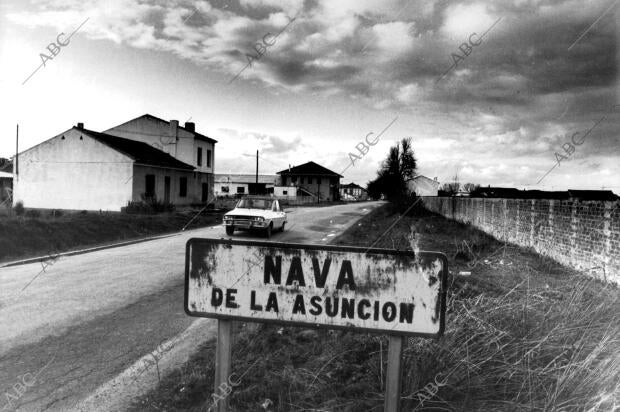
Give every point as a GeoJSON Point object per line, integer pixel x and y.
{"type": "Point", "coordinates": [525, 349]}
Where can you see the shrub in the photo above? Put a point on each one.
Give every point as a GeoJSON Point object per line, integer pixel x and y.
{"type": "Point", "coordinates": [56, 213]}
{"type": "Point", "coordinates": [19, 208]}
{"type": "Point", "coordinates": [148, 205]}
{"type": "Point", "coordinates": [33, 213]}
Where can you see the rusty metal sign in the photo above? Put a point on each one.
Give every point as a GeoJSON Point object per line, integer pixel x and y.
{"type": "Point", "coordinates": [372, 290]}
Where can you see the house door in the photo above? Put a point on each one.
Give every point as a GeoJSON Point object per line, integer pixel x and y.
{"type": "Point", "coordinates": [167, 189]}
{"type": "Point", "coordinates": [205, 192]}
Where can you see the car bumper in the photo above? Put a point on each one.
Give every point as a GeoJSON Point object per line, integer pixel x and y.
{"type": "Point", "coordinates": [246, 224]}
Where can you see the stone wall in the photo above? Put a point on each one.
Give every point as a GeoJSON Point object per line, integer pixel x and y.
{"type": "Point", "coordinates": [581, 234]}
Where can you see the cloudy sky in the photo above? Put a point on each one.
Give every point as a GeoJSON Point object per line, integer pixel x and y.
{"type": "Point", "coordinates": [532, 75]}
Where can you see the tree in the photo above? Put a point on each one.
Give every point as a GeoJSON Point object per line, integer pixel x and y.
{"type": "Point", "coordinates": [374, 189]}
{"type": "Point", "coordinates": [395, 173]}
{"type": "Point", "coordinates": [470, 187]}
{"type": "Point", "coordinates": [450, 189]}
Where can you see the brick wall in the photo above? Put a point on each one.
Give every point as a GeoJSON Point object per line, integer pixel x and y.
{"type": "Point", "coordinates": [581, 234]}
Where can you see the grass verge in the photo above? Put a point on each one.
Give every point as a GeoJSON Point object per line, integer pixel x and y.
{"type": "Point", "coordinates": [23, 237]}
{"type": "Point", "coordinates": [523, 333]}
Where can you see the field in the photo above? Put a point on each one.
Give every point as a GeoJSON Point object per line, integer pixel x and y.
{"type": "Point", "coordinates": [523, 333]}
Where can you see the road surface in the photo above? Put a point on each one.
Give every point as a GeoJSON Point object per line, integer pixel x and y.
{"type": "Point", "coordinates": [87, 317]}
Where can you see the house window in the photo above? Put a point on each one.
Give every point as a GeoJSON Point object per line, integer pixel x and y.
{"type": "Point", "coordinates": [301, 180]}
{"type": "Point", "coordinates": [149, 183]}
{"type": "Point", "coordinates": [318, 180]}
{"type": "Point", "coordinates": [240, 190]}
{"type": "Point", "coordinates": [293, 179]}
{"type": "Point", "coordinates": [199, 157]}
{"type": "Point", "coordinates": [183, 187]}
{"type": "Point", "coordinates": [285, 192]}
{"type": "Point", "coordinates": [208, 158]}
{"type": "Point", "coordinates": [309, 180]}
{"type": "Point", "coordinates": [225, 189]}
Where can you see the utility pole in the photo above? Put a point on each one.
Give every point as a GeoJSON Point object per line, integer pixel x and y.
{"type": "Point", "coordinates": [257, 167]}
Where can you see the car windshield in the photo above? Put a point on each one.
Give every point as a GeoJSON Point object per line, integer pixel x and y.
{"type": "Point", "coordinates": [255, 204]}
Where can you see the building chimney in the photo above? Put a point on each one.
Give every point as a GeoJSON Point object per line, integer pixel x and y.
{"type": "Point", "coordinates": [191, 126]}
{"type": "Point", "coordinates": [80, 125]}
{"type": "Point", "coordinates": [174, 126]}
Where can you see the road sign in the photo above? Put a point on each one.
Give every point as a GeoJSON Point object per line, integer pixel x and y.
{"type": "Point", "coordinates": [372, 290]}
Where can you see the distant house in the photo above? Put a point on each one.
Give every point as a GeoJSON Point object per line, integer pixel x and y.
{"type": "Point", "coordinates": [239, 184]}
{"type": "Point", "coordinates": [605, 195]}
{"type": "Point", "coordinates": [424, 186]}
{"type": "Point", "coordinates": [352, 191]}
{"type": "Point", "coordinates": [6, 181]}
{"type": "Point", "coordinates": [497, 192]}
{"type": "Point", "coordinates": [83, 169]}
{"type": "Point", "coordinates": [512, 193]}
{"type": "Point", "coordinates": [314, 180]}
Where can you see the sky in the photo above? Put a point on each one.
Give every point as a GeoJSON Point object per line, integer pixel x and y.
{"type": "Point", "coordinates": [520, 93]}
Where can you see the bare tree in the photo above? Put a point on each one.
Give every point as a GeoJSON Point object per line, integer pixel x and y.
{"type": "Point", "coordinates": [470, 187]}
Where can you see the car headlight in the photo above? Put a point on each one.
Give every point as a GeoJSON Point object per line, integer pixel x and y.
{"type": "Point", "coordinates": [227, 217]}
{"type": "Point", "coordinates": [258, 219]}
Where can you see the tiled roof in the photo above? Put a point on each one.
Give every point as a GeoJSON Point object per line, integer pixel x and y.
{"type": "Point", "coordinates": [141, 152]}
{"type": "Point", "coordinates": [309, 169]}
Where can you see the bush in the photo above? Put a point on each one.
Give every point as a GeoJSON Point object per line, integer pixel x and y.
{"type": "Point", "coordinates": [33, 213]}
{"type": "Point", "coordinates": [19, 208]}
{"type": "Point", "coordinates": [56, 213]}
{"type": "Point", "coordinates": [148, 205]}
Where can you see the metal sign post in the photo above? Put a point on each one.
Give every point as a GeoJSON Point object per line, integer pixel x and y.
{"type": "Point", "coordinates": [398, 293]}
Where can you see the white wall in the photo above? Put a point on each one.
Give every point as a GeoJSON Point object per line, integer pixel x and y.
{"type": "Point", "coordinates": [73, 173]}
{"type": "Point", "coordinates": [291, 191]}
{"type": "Point", "coordinates": [161, 135]}
{"type": "Point", "coordinates": [232, 188]}
{"type": "Point", "coordinates": [424, 186]}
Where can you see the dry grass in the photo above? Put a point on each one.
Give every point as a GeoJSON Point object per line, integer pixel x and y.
{"type": "Point", "coordinates": [523, 333]}
{"type": "Point", "coordinates": [47, 234]}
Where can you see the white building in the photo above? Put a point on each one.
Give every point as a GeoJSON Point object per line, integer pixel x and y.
{"type": "Point", "coordinates": [424, 186]}
{"type": "Point", "coordinates": [145, 158]}
{"type": "Point", "coordinates": [239, 184]}
{"type": "Point", "coordinates": [353, 191]}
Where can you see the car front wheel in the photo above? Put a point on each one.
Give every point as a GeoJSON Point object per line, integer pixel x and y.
{"type": "Point", "coordinates": [230, 230]}
{"type": "Point", "coordinates": [282, 228]}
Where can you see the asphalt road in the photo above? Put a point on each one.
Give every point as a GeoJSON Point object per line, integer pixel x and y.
{"type": "Point", "coordinates": [87, 317]}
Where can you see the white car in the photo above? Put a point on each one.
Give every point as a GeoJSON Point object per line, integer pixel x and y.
{"type": "Point", "coordinates": [256, 213]}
